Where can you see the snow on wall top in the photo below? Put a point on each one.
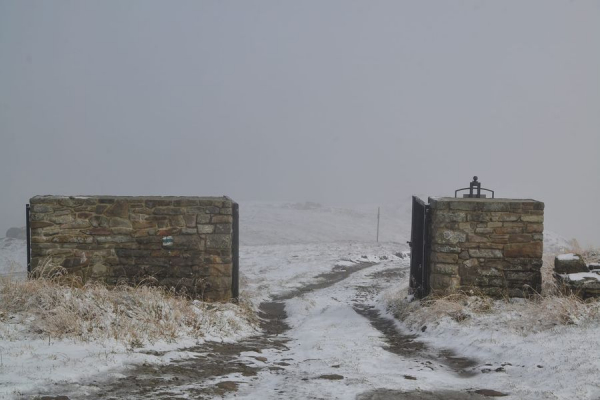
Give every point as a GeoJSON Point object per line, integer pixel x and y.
{"type": "Point", "coordinates": [568, 257]}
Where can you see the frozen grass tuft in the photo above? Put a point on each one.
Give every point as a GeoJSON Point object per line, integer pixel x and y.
{"type": "Point", "coordinates": [522, 316]}
{"type": "Point", "coordinates": [56, 306]}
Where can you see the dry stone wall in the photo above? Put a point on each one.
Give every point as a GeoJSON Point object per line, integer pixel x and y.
{"type": "Point", "coordinates": [492, 245]}
{"type": "Point", "coordinates": [184, 243]}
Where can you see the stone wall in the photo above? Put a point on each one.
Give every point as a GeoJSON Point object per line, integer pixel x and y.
{"type": "Point", "coordinates": [493, 245]}
{"type": "Point", "coordinates": [186, 243]}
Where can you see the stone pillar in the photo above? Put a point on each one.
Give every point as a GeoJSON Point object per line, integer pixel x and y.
{"type": "Point", "coordinates": [176, 242]}
{"type": "Point", "coordinates": [492, 246]}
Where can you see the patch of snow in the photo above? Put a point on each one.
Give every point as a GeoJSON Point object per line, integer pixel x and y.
{"type": "Point", "coordinates": [567, 257]}
{"type": "Point", "coordinates": [581, 276]}
{"type": "Point", "coordinates": [29, 364]}
{"type": "Point", "coordinates": [538, 359]}
{"type": "Point", "coordinates": [274, 270]}
{"type": "Point", "coordinates": [328, 337]}
{"type": "Point", "coordinates": [32, 362]}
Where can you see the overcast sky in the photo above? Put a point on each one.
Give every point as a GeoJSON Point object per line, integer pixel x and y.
{"type": "Point", "coordinates": [328, 101]}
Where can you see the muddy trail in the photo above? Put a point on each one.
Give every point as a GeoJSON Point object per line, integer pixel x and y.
{"type": "Point", "coordinates": [195, 377]}
{"type": "Point", "coordinates": [200, 376]}
{"type": "Point", "coordinates": [402, 344]}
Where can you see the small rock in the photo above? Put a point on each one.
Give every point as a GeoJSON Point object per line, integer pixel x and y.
{"type": "Point", "coordinates": [569, 264]}
{"type": "Point", "coordinates": [54, 398]}
{"type": "Point", "coordinates": [423, 328]}
{"type": "Point", "coordinates": [228, 385]}
{"type": "Point", "coordinates": [490, 393]}
{"type": "Point", "coordinates": [410, 377]}
{"type": "Point", "coordinates": [331, 377]}
{"type": "Point", "coordinates": [263, 359]}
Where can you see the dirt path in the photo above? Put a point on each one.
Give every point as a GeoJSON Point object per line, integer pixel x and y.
{"type": "Point", "coordinates": [403, 344]}
{"type": "Point", "coordinates": [194, 377]}
{"type": "Point", "coordinates": [201, 376]}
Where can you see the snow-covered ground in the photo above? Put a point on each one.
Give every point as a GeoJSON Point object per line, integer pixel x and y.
{"type": "Point", "coordinates": [335, 353]}
{"type": "Point", "coordinates": [545, 349]}
{"type": "Point", "coordinates": [274, 270]}
{"type": "Point", "coordinates": [63, 335]}
{"type": "Point", "coordinates": [289, 243]}
{"type": "Point", "coordinates": [13, 258]}
{"type": "Point", "coordinates": [286, 246]}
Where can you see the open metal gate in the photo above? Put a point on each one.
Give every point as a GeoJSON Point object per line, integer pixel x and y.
{"type": "Point", "coordinates": [419, 243]}
{"type": "Point", "coordinates": [28, 232]}
{"type": "Point", "coordinates": [235, 273]}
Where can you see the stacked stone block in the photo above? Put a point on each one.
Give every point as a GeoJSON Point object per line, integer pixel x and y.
{"type": "Point", "coordinates": [175, 242]}
{"type": "Point", "coordinates": [491, 245]}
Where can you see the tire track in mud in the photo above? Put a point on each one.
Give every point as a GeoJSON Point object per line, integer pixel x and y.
{"type": "Point", "coordinates": [403, 344]}
{"type": "Point", "coordinates": [407, 346]}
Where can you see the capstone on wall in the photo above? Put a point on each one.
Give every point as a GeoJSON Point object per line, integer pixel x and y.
{"type": "Point", "coordinates": [186, 243]}
{"type": "Point", "coordinates": [492, 245]}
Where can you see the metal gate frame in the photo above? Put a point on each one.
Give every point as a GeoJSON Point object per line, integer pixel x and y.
{"type": "Point", "coordinates": [235, 273]}
{"type": "Point", "coordinates": [28, 232]}
{"type": "Point", "coordinates": [419, 249]}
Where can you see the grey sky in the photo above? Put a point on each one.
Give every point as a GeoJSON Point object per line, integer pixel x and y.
{"type": "Point", "coordinates": [329, 101]}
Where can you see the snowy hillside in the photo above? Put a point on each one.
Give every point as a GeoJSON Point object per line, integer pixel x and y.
{"type": "Point", "coordinates": [556, 244]}
{"type": "Point", "coordinates": [13, 257]}
{"type": "Point", "coordinates": [289, 223]}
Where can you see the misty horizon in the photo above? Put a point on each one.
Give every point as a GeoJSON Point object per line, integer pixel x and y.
{"type": "Point", "coordinates": [335, 103]}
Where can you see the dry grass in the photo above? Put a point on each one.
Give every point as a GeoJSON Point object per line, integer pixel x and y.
{"type": "Point", "coordinates": [554, 306]}
{"type": "Point", "coordinates": [517, 315]}
{"type": "Point", "coordinates": [58, 306]}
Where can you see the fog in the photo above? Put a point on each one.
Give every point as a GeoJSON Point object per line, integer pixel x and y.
{"type": "Point", "coordinates": [327, 101]}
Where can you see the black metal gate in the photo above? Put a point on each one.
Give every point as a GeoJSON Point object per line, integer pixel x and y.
{"type": "Point", "coordinates": [28, 232]}
{"type": "Point", "coordinates": [419, 242]}
{"type": "Point", "coordinates": [235, 274]}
